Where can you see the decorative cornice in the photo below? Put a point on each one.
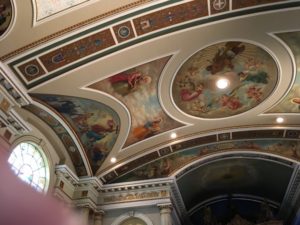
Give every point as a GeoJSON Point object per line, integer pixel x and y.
{"type": "Point", "coordinates": [66, 172]}
{"type": "Point", "coordinates": [165, 207]}
{"type": "Point", "coordinates": [85, 203]}
{"type": "Point", "coordinates": [135, 196]}
{"type": "Point", "coordinates": [142, 191]}
{"type": "Point", "coordinates": [88, 192]}
{"type": "Point", "coordinates": [10, 87]}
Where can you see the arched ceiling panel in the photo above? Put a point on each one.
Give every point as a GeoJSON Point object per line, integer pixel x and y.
{"type": "Point", "coordinates": [235, 176]}
{"type": "Point", "coordinates": [237, 209]}
{"type": "Point", "coordinates": [170, 160]}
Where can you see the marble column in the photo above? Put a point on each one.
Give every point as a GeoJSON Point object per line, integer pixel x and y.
{"type": "Point", "coordinates": [98, 217]}
{"type": "Point", "coordinates": [165, 214]}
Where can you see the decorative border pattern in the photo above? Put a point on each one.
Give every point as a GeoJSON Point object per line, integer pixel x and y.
{"type": "Point", "coordinates": [129, 197]}
{"type": "Point", "coordinates": [76, 50]}
{"type": "Point", "coordinates": [146, 26]}
{"type": "Point", "coordinates": [219, 6]}
{"type": "Point", "coordinates": [72, 28]}
{"type": "Point", "coordinates": [205, 144]}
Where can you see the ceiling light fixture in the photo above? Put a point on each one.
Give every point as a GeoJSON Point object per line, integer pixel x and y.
{"type": "Point", "coordinates": [113, 160]}
{"type": "Point", "coordinates": [222, 83]}
{"type": "Point", "coordinates": [173, 135]}
{"type": "Point", "coordinates": [279, 120]}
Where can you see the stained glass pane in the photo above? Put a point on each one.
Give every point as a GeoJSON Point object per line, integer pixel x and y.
{"type": "Point", "coordinates": [28, 163]}
{"type": "Point", "coordinates": [12, 158]}
{"type": "Point", "coordinates": [17, 164]}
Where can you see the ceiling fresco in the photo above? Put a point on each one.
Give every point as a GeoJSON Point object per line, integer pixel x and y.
{"type": "Point", "coordinates": [63, 135]}
{"type": "Point", "coordinates": [5, 15]}
{"type": "Point", "coordinates": [47, 8]}
{"type": "Point", "coordinates": [236, 211]}
{"type": "Point", "coordinates": [137, 88]}
{"type": "Point", "coordinates": [112, 84]}
{"type": "Point", "coordinates": [67, 53]}
{"type": "Point", "coordinates": [250, 72]}
{"type": "Point", "coordinates": [168, 165]}
{"type": "Point", "coordinates": [237, 176]}
{"type": "Point", "coordinates": [95, 124]}
{"type": "Point", "coordinates": [291, 102]}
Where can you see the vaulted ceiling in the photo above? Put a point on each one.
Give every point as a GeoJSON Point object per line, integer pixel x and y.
{"type": "Point", "coordinates": [105, 79]}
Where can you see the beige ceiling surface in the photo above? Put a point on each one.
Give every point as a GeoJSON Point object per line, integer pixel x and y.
{"type": "Point", "coordinates": [120, 97]}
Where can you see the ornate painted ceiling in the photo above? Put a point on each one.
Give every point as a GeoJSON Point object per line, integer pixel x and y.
{"type": "Point", "coordinates": [107, 79]}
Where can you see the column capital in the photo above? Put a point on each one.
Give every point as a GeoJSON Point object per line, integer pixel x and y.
{"type": "Point", "coordinates": [83, 206]}
{"type": "Point", "coordinates": [165, 205]}
{"type": "Point", "coordinates": [99, 213]}
{"type": "Point", "coordinates": [165, 213]}
{"type": "Point", "coordinates": [98, 217]}
{"type": "Point", "coordinates": [165, 208]}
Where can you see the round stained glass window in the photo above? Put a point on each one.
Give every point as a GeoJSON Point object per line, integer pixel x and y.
{"type": "Point", "coordinates": [29, 164]}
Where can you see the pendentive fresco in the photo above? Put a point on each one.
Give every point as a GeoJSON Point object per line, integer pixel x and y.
{"type": "Point", "coordinates": [137, 89]}
{"type": "Point", "coordinates": [95, 124]}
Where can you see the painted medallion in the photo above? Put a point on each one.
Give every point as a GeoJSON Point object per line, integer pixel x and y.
{"type": "Point", "coordinates": [224, 79]}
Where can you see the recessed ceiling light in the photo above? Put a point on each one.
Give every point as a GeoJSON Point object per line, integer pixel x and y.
{"type": "Point", "coordinates": [113, 160]}
{"type": "Point", "coordinates": [279, 120]}
{"type": "Point", "coordinates": [173, 135]}
{"type": "Point", "coordinates": [222, 83]}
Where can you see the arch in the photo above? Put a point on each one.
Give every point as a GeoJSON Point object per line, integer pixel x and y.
{"type": "Point", "coordinates": [132, 214]}
{"type": "Point", "coordinates": [31, 163]}
{"type": "Point", "coordinates": [232, 154]}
